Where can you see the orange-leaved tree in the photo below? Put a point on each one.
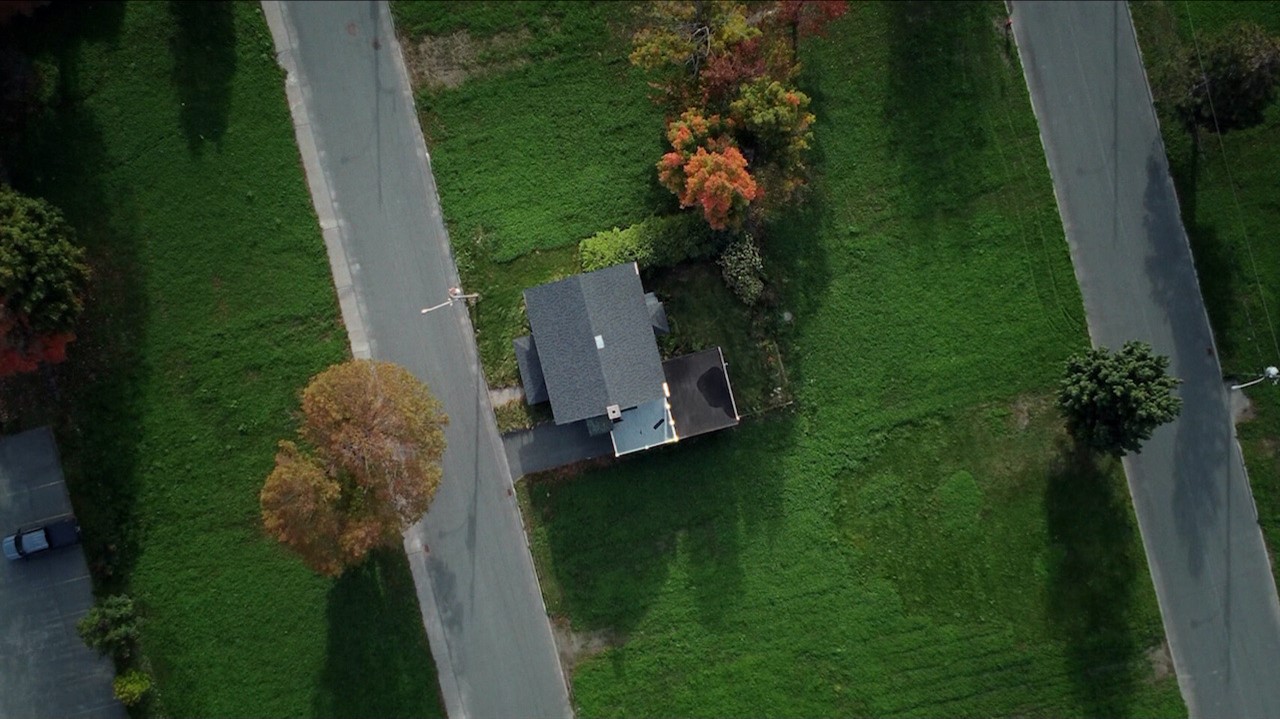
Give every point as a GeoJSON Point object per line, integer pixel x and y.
{"type": "Point", "coordinates": [706, 169]}
{"type": "Point", "coordinates": [375, 436]}
{"type": "Point", "coordinates": [719, 183]}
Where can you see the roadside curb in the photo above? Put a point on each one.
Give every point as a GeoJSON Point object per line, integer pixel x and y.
{"type": "Point", "coordinates": [458, 694]}
{"type": "Point", "coordinates": [321, 196]}
{"type": "Point", "coordinates": [413, 539]}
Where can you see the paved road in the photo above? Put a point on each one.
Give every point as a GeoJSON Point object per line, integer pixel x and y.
{"type": "Point", "coordinates": [1130, 252]}
{"type": "Point", "coordinates": [477, 588]}
{"type": "Point", "coordinates": [548, 446]}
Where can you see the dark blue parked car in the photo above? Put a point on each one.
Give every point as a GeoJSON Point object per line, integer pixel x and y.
{"type": "Point", "coordinates": [29, 542]}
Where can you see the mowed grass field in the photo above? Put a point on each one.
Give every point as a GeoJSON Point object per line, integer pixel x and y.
{"type": "Point", "coordinates": [170, 148]}
{"type": "Point", "coordinates": [912, 537]}
{"type": "Point", "coordinates": [1226, 188]}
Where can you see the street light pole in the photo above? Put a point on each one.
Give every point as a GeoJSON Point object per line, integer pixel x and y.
{"type": "Point", "coordinates": [455, 294]}
{"type": "Point", "coordinates": [1271, 373]}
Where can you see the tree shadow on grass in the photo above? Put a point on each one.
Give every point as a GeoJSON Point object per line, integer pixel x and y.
{"type": "Point", "coordinates": [1092, 575]}
{"type": "Point", "coordinates": [92, 398]}
{"type": "Point", "coordinates": [378, 662]}
{"type": "Point", "coordinates": [204, 62]}
{"type": "Point", "coordinates": [933, 106]}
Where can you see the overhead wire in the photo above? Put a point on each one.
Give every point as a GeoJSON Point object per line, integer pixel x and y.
{"type": "Point", "coordinates": [1244, 230]}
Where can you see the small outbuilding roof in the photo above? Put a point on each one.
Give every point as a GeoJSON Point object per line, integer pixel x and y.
{"type": "Point", "coordinates": [701, 398]}
{"type": "Point", "coordinates": [595, 343]}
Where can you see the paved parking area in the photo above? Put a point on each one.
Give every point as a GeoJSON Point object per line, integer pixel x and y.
{"type": "Point", "coordinates": [45, 670]}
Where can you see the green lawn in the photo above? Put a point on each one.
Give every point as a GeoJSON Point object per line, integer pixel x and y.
{"type": "Point", "coordinates": [552, 142]}
{"type": "Point", "coordinates": [910, 537]}
{"type": "Point", "coordinates": [1229, 207]}
{"type": "Point", "coordinates": [170, 148]}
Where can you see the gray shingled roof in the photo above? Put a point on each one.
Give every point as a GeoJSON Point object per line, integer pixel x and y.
{"type": "Point", "coordinates": [657, 314]}
{"type": "Point", "coordinates": [535, 387]}
{"type": "Point", "coordinates": [582, 378]}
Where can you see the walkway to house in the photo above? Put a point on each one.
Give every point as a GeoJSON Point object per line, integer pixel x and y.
{"type": "Point", "coordinates": [1131, 256]}
{"type": "Point", "coordinates": [548, 446]}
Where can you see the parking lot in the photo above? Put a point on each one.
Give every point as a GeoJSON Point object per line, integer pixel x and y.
{"type": "Point", "coordinates": [45, 669]}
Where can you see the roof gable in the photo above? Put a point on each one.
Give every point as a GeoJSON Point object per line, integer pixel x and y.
{"type": "Point", "coordinates": [595, 341]}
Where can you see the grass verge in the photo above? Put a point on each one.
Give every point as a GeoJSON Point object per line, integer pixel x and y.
{"type": "Point", "coordinates": [170, 148]}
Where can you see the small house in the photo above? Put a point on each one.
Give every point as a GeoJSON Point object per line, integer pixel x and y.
{"type": "Point", "coordinates": [593, 354]}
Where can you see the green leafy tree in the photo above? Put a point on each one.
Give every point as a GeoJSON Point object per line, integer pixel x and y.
{"type": "Point", "coordinates": [43, 276]}
{"type": "Point", "coordinates": [677, 38]}
{"type": "Point", "coordinates": [1114, 401]}
{"type": "Point", "coordinates": [775, 122]}
{"type": "Point", "coordinates": [112, 626]}
{"type": "Point", "coordinates": [376, 436]}
{"type": "Point", "coordinates": [1241, 68]}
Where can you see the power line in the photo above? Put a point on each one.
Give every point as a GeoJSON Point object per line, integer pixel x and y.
{"type": "Point", "coordinates": [1019, 159]}
{"type": "Point", "coordinates": [1244, 230]}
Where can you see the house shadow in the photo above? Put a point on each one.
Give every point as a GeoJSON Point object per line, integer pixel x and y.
{"type": "Point", "coordinates": [203, 47]}
{"type": "Point", "coordinates": [615, 536]}
{"type": "Point", "coordinates": [378, 662]}
{"type": "Point", "coordinates": [1093, 571]}
{"type": "Point", "coordinates": [92, 399]}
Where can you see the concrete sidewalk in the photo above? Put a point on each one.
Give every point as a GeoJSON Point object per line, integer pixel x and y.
{"type": "Point", "coordinates": [1199, 527]}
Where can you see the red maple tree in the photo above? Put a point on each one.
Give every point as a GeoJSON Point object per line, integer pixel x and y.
{"type": "Point", "coordinates": [717, 181]}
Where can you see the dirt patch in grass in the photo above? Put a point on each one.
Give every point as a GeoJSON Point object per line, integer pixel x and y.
{"type": "Point", "coordinates": [1241, 406]}
{"type": "Point", "coordinates": [445, 61]}
{"type": "Point", "coordinates": [1161, 662]}
{"type": "Point", "coordinates": [576, 646]}
{"type": "Point", "coordinates": [1024, 407]}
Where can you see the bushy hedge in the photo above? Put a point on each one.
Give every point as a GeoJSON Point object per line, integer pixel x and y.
{"type": "Point", "coordinates": [655, 242]}
{"type": "Point", "coordinates": [131, 687]}
{"type": "Point", "coordinates": [743, 270]}
{"type": "Point", "coordinates": [112, 626]}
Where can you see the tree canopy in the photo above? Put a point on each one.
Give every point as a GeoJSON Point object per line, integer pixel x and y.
{"type": "Point", "coordinates": [43, 277]}
{"type": "Point", "coordinates": [373, 437]}
{"type": "Point", "coordinates": [738, 128]}
{"type": "Point", "coordinates": [705, 169]}
{"type": "Point", "coordinates": [1236, 82]}
{"type": "Point", "coordinates": [1114, 401]}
